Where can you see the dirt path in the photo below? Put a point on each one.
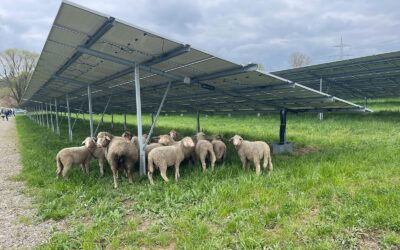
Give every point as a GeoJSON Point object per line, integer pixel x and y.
{"type": "Point", "coordinates": [19, 225]}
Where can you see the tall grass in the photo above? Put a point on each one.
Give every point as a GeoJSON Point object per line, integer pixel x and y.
{"type": "Point", "coordinates": [340, 189]}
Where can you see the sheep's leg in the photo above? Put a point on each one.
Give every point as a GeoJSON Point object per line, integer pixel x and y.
{"type": "Point", "coordinates": [59, 168]}
{"type": "Point", "coordinates": [150, 171]}
{"type": "Point", "coordinates": [257, 164]}
{"type": "Point", "coordinates": [163, 171]}
{"type": "Point", "coordinates": [270, 167]}
{"type": "Point", "coordinates": [213, 159]}
{"type": "Point", "coordinates": [202, 157]}
{"type": "Point", "coordinates": [177, 171]}
{"type": "Point", "coordinates": [115, 174]}
{"type": "Point", "coordinates": [244, 162]}
{"type": "Point", "coordinates": [129, 170]}
{"type": "Point", "coordinates": [65, 170]}
{"type": "Point", "coordinates": [101, 166]}
{"type": "Point", "coordinates": [87, 165]}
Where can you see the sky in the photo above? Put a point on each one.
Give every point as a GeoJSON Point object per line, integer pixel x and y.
{"type": "Point", "coordinates": [265, 32]}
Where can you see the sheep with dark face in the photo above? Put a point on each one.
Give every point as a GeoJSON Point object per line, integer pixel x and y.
{"type": "Point", "coordinates": [253, 151]}
{"type": "Point", "coordinates": [127, 135]}
{"type": "Point", "coordinates": [204, 149]}
{"type": "Point", "coordinates": [120, 152]}
{"type": "Point", "coordinates": [75, 155]}
{"type": "Point", "coordinates": [163, 157]}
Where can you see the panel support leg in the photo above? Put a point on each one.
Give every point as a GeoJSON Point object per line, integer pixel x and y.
{"type": "Point", "coordinates": [47, 116]}
{"type": "Point", "coordinates": [102, 115]}
{"type": "Point", "coordinates": [321, 115]}
{"type": "Point", "coordinates": [57, 123]}
{"type": "Point", "coordinates": [112, 120]}
{"type": "Point", "coordinates": [153, 124]}
{"type": "Point", "coordinates": [198, 122]}
{"type": "Point", "coordinates": [139, 122]}
{"type": "Point", "coordinates": [282, 130]}
{"type": "Point", "coordinates": [69, 120]}
{"type": "Point", "coordinates": [51, 117]}
{"type": "Point", "coordinates": [282, 146]}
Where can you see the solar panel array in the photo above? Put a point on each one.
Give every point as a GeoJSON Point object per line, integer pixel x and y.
{"type": "Point", "coordinates": [376, 76]}
{"type": "Point", "coordinates": [86, 47]}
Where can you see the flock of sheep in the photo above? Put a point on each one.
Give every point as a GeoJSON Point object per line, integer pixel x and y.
{"type": "Point", "coordinates": [169, 150]}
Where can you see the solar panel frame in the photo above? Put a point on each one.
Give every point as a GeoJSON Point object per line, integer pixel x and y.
{"type": "Point", "coordinates": [87, 47]}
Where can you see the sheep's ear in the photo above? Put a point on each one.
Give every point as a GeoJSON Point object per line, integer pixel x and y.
{"type": "Point", "coordinates": [84, 142]}
{"type": "Point", "coordinates": [231, 139]}
{"type": "Point", "coordinates": [108, 138]}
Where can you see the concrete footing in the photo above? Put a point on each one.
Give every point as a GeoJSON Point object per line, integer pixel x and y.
{"type": "Point", "coordinates": [282, 148]}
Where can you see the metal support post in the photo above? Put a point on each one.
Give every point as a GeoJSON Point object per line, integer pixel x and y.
{"type": "Point", "coordinates": [198, 122]}
{"type": "Point", "coordinates": [282, 130]}
{"type": "Point", "coordinates": [90, 110]}
{"type": "Point", "coordinates": [139, 122]}
{"type": "Point", "coordinates": [51, 117]}
{"type": "Point", "coordinates": [69, 120]}
{"type": "Point", "coordinates": [102, 115]}
{"type": "Point", "coordinates": [112, 120]}
{"type": "Point", "coordinates": [321, 115]}
{"type": "Point", "coordinates": [153, 124]}
{"type": "Point", "coordinates": [57, 123]}
{"type": "Point", "coordinates": [47, 116]}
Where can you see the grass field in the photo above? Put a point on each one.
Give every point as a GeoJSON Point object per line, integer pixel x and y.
{"type": "Point", "coordinates": [340, 189]}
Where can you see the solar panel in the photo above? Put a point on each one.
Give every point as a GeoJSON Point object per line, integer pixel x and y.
{"type": "Point", "coordinates": [86, 47]}
{"type": "Point", "coordinates": [376, 76]}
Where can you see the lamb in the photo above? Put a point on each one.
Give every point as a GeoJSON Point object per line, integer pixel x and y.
{"type": "Point", "coordinates": [253, 151]}
{"type": "Point", "coordinates": [162, 157]}
{"type": "Point", "coordinates": [203, 149]}
{"type": "Point", "coordinates": [119, 152]}
{"type": "Point", "coordinates": [219, 148]}
{"type": "Point", "coordinates": [75, 155]}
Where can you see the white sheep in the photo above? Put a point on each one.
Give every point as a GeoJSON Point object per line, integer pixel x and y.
{"type": "Point", "coordinates": [120, 152]}
{"type": "Point", "coordinates": [163, 157]}
{"type": "Point", "coordinates": [219, 148]}
{"type": "Point", "coordinates": [67, 157]}
{"type": "Point", "coordinates": [168, 140]}
{"type": "Point", "coordinates": [253, 151]}
{"type": "Point", "coordinates": [203, 150]}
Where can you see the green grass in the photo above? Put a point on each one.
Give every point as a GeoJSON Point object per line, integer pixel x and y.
{"type": "Point", "coordinates": [342, 194]}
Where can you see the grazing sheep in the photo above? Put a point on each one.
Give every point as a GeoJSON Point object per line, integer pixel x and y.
{"type": "Point", "coordinates": [189, 152]}
{"type": "Point", "coordinates": [75, 155]}
{"type": "Point", "coordinates": [219, 148]}
{"type": "Point", "coordinates": [203, 149]}
{"type": "Point", "coordinates": [252, 151]}
{"type": "Point", "coordinates": [119, 152]}
{"type": "Point", "coordinates": [162, 157]}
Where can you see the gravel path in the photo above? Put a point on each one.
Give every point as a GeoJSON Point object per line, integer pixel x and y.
{"type": "Point", "coordinates": [19, 225]}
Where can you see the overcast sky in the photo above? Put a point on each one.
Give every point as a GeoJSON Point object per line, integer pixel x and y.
{"type": "Point", "coordinates": [256, 31]}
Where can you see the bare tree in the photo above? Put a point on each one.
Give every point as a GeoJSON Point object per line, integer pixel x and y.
{"type": "Point", "coordinates": [16, 69]}
{"type": "Point", "coordinates": [297, 59]}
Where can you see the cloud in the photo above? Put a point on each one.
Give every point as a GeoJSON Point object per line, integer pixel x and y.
{"type": "Point", "coordinates": [258, 31]}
